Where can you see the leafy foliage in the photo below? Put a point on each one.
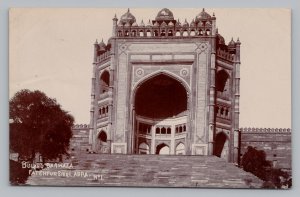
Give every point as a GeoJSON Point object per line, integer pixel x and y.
{"type": "Point", "coordinates": [39, 125]}
{"type": "Point", "coordinates": [255, 161]}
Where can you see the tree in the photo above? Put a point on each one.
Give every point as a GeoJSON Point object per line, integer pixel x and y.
{"type": "Point", "coordinates": [254, 161]}
{"type": "Point", "coordinates": [38, 125]}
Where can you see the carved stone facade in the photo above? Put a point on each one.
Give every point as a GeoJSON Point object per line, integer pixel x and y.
{"type": "Point", "coordinates": [166, 88]}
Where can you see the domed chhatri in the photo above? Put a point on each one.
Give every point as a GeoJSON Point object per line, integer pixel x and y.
{"type": "Point", "coordinates": [203, 16]}
{"type": "Point", "coordinates": [127, 18]}
{"type": "Point", "coordinates": [164, 15]}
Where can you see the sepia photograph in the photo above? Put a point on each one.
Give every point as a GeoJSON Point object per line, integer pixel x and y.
{"type": "Point", "coordinates": [150, 97]}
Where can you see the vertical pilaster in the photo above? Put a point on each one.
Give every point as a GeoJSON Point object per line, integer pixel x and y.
{"type": "Point", "coordinates": [212, 92]}
{"type": "Point", "coordinates": [114, 31]}
{"type": "Point", "coordinates": [172, 144]}
{"type": "Point", "coordinates": [237, 103]}
{"type": "Point", "coordinates": [153, 140]}
{"type": "Point", "coordinates": [92, 129]}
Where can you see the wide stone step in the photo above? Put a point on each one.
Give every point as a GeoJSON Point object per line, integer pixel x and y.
{"type": "Point", "coordinates": [147, 171]}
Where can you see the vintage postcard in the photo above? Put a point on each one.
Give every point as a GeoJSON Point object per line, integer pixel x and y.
{"type": "Point", "coordinates": [160, 97]}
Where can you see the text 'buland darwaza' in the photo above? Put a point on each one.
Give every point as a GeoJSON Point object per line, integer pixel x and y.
{"type": "Point", "coordinates": [166, 87]}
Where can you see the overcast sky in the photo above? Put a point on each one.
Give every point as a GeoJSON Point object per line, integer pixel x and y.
{"type": "Point", "coordinates": [52, 50]}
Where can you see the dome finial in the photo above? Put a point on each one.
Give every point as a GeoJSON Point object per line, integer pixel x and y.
{"type": "Point", "coordinates": [213, 14]}
{"type": "Point", "coordinates": [203, 10]}
{"type": "Point", "coordinates": [96, 41]}
{"type": "Point", "coordinates": [128, 10]}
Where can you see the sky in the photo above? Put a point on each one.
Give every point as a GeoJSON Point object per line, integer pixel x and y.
{"type": "Point", "coordinates": [52, 50]}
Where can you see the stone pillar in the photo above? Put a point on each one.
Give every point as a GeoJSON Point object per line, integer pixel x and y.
{"type": "Point", "coordinates": [211, 129]}
{"type": "Point", "coordinates": [236, 151]}
{"type": "Point", "coordinates": [153, 140]}
{"type": "Point", "coordinates": [114, 31]}
{"type": "Point", "coordinates": [172, 143]}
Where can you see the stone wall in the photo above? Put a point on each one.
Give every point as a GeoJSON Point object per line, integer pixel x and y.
{"type": "Point", "coordinates": [275, 142]}
{"type": "Point", "coordinates": [80, 140]}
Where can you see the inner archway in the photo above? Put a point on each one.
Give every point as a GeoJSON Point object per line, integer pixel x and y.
{"type": "Point", "coordinates": [221, 146]}
{"type": "Point", "coordinates": [161, 97]}
{"type": "Point", "coordinates": [160, 105]}
{"type": "Point", "coordinates": [162, 149]}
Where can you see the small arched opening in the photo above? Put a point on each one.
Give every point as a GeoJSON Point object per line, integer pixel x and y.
{"type": "Point", "coordinates": [162, 149]}
{"type": "Point", "coordinates": [180, 149]}
{"type": "Point", "coordinates": [104, 82]}
{"type": "Point", "coordinates": [222, 81]}
{"type": "Point", "coordinates": [221, 148]}
{"type": "Point", "coordinates": [143, 148]}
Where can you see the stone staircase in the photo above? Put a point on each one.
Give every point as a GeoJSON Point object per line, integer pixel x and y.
{"type": "Point", "coordinates": [147, 171]}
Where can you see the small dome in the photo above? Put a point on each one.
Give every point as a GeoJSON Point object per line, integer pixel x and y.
{"type": "Point", "coordinates": [178, 24]}
{"type": "Point", "coordinates": [203, 16]}
{"type": "Point", "coordinates": [171, 24]}
{"type": "Point", "coordinates": [102, 46]}
{"type": "Point", "coordinates": [127, 24]}
{"type": "Point", "coordinates": [135, 24]}
{"type": "Point", "coordinates": [142, 24]}
{"type": "Point", "coordinates": [163, 24]}
{"type": "Point", "coordinates": [185, 24]}
{"type": "Point", "coordinates": [193, 24]}
{"type": "Point", "coordinates": [231, 43]}
{"type": "Point", "coordinates": [156, 24]}
{"type": "Point", "coordinates": [127, 18]}
{"type": "Point", "coordinates": [164, 15]}
{"type": "Point", "coordinates": [149, 24]}
{"type": "Point", "coordinates": [220, 39]}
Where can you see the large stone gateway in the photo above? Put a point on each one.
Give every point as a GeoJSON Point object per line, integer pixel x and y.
{"type": "Point", "coordinates": [166, 87]}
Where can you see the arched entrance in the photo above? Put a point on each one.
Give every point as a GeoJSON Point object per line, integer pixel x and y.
{"type": "Point", "coordinates": [160, 105]}
{"type": "Point", "coordinates": [221, 148]}
{"type": "Point", "coordinates": [102, 142]}
{"type": "Point", "coordinates": [162, 149]}
{"type": "Point", "coordinates": [180, 149]}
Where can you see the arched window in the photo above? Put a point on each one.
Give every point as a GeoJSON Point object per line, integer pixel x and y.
{"type": "Point", "coordinates": [141, 33]}
{"type": "Point", "coordinates": [222, 80]}
{"type": "Point", "coordinates": [184, 128]}
{"type": "Point", "coordinates": [155, 33]}
{"type": "Point", "coordinates": [177, 33]}
{"type": "Point", "coordinates": [104, 82]}
{"type": "Point", "coordinates": [133, 33]}
{"type": "Point", "coordinates": [180, 129]}
{"type": "Point", "coordinates": [170, 33]}
{"type": "Point", "coordinates": [119, 33]}
{"type": "Point", "coordinates": [157, 131]}
{"type": "Point", "coordinates": [168, 130]}
{"type": "Point", "coordinates": [162, 33]}
{"type": "Point", "coordinates": [201, 32]}
{"type": "Point", "coordinates": [148, 33]}
{"type": "Point", "coordinates": [207, 32]}
{"type": "Point", "coordinates": [126, 33]}
{"type": "Point", "coordinates": [193, 33]}
{"type": "Point", "coordinates": [163, 130]}
{"type": "Point", "coordinates": [185, 33]}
